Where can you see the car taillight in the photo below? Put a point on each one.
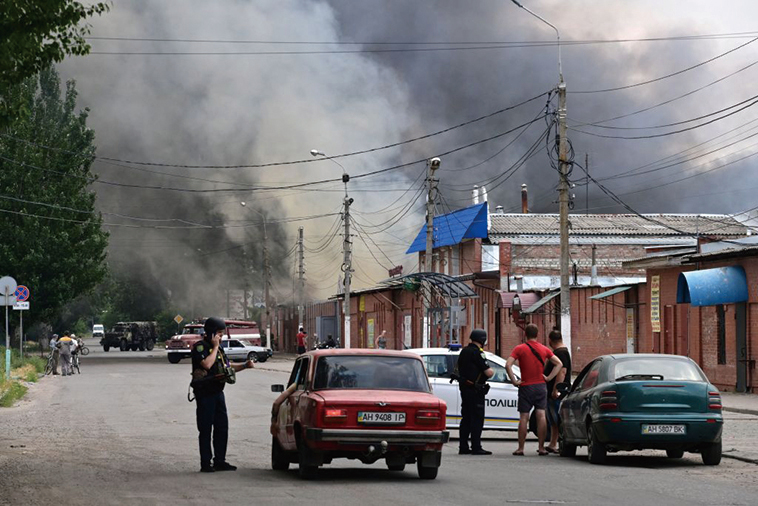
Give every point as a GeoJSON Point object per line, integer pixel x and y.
{"type": "Point", "coordinates": [608, 400]}
{"type": "Point", "coordinates": [714, 401]}
{"type": "Point", "coordinates": [334, 414]}
{"type": "Point", "coordinates": [428, 416]}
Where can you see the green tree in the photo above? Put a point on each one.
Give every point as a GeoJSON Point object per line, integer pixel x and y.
{"type": "Point", "coordinates": [34, 34]}
{"type": "Point", "coordinates": [50, 235]}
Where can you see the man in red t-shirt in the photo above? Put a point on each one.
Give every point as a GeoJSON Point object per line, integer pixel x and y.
{"type": "Point", "coordinates": [532, 390]}
{"type": "Point", "coordinates": [301, 341]}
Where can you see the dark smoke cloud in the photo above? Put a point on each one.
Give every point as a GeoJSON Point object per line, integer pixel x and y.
{"type": "Point", "coordinates": [250, 109]}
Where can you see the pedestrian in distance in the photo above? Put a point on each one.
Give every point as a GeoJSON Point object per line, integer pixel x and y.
{"type": "Point", "coordinates": [64, 345]}
{"type": "Point", "coordinates": [532, 391]}
{"type": "Point", "coordinates": [555, 340]}
{"type": "Point", "coordinates": [330, 342]}
{"type": "Point", "coordinates": [301, 336]}
{"type": "Point", "coordinates": [56, 353]}
{"type": "Point", "coordinates": [211, 371]}
{"type": "Point", "coordinates": [381, 341]}
{"type": "Point", "coordinates": [473, 372]}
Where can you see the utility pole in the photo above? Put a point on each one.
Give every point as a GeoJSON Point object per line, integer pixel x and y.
{"type": "Point", "coordinates": [347, 263]}
{"type": "Point", "coordinates": [432, 165]}
{"type": "Point", "coordinates": [301, 277]}
{"type": "Point", "coordinates": [564, 210]}
{"type": "Point", "coordinates": [266, 282]}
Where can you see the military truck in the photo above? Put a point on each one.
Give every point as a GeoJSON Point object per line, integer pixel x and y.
{"type": "Point", "coordinates": [131, 336]}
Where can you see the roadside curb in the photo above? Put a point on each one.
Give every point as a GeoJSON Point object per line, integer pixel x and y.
{"type": "Point", "coordinates": [741, 410]}
{"type": "Point", "coordinates": [742, 459]}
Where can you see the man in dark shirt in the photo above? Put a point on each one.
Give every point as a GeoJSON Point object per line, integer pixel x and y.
{"type": "Point", "coordinates": [211, 370]}
{"type": "Point", "coordinates": [473, 371]}
{"type": "Point", "coordinates": [555, 340]}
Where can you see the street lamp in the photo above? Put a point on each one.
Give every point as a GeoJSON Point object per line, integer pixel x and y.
{"type": "Point", "coordinates": [266, 272]}
{"type": "Point", "coordinates": [347, 267]}
{"type": "Point", "coordinates": [563, 198]}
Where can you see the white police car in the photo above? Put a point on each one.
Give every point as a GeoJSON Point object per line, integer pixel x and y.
{"type": "Point", "coordinates": [501, 411]}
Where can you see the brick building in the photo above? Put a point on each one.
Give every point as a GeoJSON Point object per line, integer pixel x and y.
{"type": "Point", "coordinates": [704, 305]}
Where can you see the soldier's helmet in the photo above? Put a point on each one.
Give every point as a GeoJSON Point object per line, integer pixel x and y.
{"type": "Point", "coordinates": [213, 325]}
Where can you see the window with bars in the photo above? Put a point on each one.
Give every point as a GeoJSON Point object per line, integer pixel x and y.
{"type": "Point", "coordinates": [721, 333]}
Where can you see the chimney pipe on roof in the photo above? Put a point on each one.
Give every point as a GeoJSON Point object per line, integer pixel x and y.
{"type": "Point", "coordinates": [475, 194]}
{"type": "Point", "coordinates": [483, 193]}
{"type": "Point", "coordinates": [524, 200]}
{"type": "Point", "coordinates": [499, 210]}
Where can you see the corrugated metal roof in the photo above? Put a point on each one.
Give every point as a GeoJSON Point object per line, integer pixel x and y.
{"type": "Point", "coordinates": [527, 298]}
{"type": "Point", "coordinates": [544, 300]}
{"type": "Point", "coordinates": [610, 292]}
{"type": "Point", "coordinates": [452, 228]}
{"type": "Point", "coordinates": [504, 225]}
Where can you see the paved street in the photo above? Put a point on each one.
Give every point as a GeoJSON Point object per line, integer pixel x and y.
{"type": "Point", "coordinates": [123, 433]}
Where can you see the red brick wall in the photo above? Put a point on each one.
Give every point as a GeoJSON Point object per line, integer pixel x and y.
{"type": "Point", "coordinates": [544, 259]}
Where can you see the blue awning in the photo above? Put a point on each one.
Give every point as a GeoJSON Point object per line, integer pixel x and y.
{"type": "Point", "coordinates": [710, 287]}
{"type": "Point", "coordinates": [453, 227]}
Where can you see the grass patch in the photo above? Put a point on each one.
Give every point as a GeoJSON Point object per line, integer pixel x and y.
{"type": "Point", "coordinates": [10, 392]}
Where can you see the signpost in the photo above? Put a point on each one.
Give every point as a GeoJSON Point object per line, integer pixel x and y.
{"type": "Point", "coordinates": [21, 305]}
{"type": "Point", "coordinates": [178, 319]}
{"type": "Point", "coordinates": [8, 286]}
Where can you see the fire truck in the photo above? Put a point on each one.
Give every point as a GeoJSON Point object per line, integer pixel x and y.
{"type": "Point", "coordinates": [180, 345]}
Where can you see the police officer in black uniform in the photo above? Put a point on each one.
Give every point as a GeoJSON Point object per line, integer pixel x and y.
{"type": "Point", "coordinates": [211, 370]}
{"type": "Point", "coordinates": [473, 371]}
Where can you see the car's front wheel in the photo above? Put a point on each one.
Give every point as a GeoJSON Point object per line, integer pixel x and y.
{"type": "Point", "coordinates": [565, 449]}
{"type": "Point", "coordinates": [279, 459]}
{"type": "Point", "coordinates": [596, 452]}
{"type": "Point", "coordinates": [106, 347]}
{"type": "Point", "coordinates": [150, 345]}
{"type": "Point", "coordinates": [711, 454]}
{"type": "Point", "coordinates": [252, 356]}
{"type": "Point", "coordinates": [174, 359]}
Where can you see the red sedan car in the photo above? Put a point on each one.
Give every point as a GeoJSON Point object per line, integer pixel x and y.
{"type": "Point", "coordinates": [358, 404]}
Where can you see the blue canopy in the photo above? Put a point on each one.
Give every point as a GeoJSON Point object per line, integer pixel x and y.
{"type": "Point", "coordinates": [452, 228]}
{"type": "Point", "coordinates": [710, 287]}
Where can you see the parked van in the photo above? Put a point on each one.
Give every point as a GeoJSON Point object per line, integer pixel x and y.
{"type": "Point", "coordinates": [98, 330]}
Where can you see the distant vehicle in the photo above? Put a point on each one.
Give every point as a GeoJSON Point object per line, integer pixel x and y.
{"type": "Point", "coordinates": [98, 330]}
{"type": "Point", "coordinates": [359, 404]}
{"type": "Point", "coordinates": [501, 402]}
{"type": "Point", "coordinates": [240, 349]}
{"type": "Point", "coordinates": [180, 345]}
{"type": "Point", "coordinates": [645, 401]}
{"type": "Point", "coordinates": [131, 336]}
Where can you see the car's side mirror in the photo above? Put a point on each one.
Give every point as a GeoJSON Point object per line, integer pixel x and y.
{"type": "Point", "coordinates": [563, 388]}
{"type": "Point", "coordinates": [277, 388]}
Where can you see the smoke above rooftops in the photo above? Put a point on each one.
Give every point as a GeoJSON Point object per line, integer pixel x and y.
{"type": "Point", "coordinates": [245, 109]}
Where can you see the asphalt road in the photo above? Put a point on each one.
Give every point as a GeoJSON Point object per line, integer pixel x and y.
{"type": "Point", "coordinates": [123, 432]}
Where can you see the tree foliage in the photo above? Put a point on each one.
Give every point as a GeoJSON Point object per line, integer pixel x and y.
{"type": "Point", "coordinates": [35, 34]}
{"type": "Point", "coordinates": [50, 234]}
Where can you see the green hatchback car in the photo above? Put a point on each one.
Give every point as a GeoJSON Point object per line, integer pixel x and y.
{"type": "Point", "coordinates": [644, 401]}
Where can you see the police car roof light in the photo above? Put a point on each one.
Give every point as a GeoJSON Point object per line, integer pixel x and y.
{"type": "Point", "coordinates": [454, 346]}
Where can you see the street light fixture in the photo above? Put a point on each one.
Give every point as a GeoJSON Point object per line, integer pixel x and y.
{"type": "Point", "coordinates": [347, 263]}
{"type": "Point", "coordinates": [551, 25]}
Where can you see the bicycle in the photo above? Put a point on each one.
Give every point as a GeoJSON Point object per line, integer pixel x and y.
{"type": "Point", "coordinates": [85, 351]}
{"type": "Point", "coordinates": [75, 363]}
{"type": "Point", "coordinates": [49, 367]}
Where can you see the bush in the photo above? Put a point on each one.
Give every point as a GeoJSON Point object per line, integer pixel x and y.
{"type": "Point", "coordinates": [31, 376]}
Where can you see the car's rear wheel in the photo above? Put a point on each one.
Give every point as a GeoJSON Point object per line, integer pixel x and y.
{"type": "Point", "coordinates": [565, 449]}
{"type": "Point", "coordinates": [279, 459]}
{"type": "Point", "coordinates": [675, 454]}
{"type": "Point", "coordinates": [174, 359]}
{"type": "Point", "coordinates": [711, 454]}
{"type": "Point", "coordinates": [306, 470]}
{"type": "Point", "coordinates": [135, 347]}
{"type": "Point", "coordinates": [596, 452]}
{"type": "Point", "coordinates": [426, 473]}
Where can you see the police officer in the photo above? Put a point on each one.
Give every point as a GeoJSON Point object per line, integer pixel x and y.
{"type": "Point", "coordinates": [211, 370]}
{"type": "Point", "coordinates": [473, 371]}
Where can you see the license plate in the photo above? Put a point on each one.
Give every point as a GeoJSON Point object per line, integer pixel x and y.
{"type": "Point", "coordinates": [664, 429]}
{"type": "Point", "coordinates": [374, 417]}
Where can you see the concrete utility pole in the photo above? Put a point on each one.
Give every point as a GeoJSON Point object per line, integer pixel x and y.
{"type": "Point", "coordinates": [266, 282]}
{"type": "Point", "coordinates": [563, 198]}
{"type": "Point", "coordinates": [347, 263]}
{"type": "Point", "coordinates": [301, 277]}
{"type": "Point", "coordinates": [431, 186]}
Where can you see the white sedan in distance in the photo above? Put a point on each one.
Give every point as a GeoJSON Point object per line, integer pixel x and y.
{"type": "Point", "coordinates": [501, 411]}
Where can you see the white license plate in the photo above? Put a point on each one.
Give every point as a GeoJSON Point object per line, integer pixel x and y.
{"type": "Point", "coordinates": [664, 429]}
{"type": "Point", "coordinates": [380, 417]}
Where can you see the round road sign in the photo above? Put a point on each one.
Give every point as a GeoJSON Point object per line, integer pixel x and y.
{"type": "Point", "coordinates": [7, 285]}
{"type": "Point", "coordinates": [21, 293]}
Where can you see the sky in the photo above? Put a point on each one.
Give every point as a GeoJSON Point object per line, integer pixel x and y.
{"type": "Point", "coordinates": [369, 83]}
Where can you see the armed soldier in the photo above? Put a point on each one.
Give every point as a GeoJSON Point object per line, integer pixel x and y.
{"type": "Point", "coordinates": [211, 370]}
{"type": "Point", "coordinates": [473, 372]}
